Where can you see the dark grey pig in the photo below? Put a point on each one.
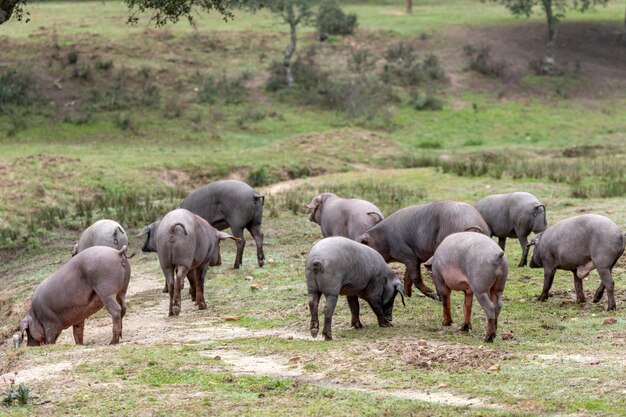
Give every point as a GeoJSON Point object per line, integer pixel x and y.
{"type": "Point", "coordinates": [340, 266]}
{"type": "Point", "coordinates": [95, 277]}
{"type": "Point", "coordinates": [234, 204]}
{"type": "Point", "coordinates": [475, 264]}
{"type": "Point", "coordinates": [411, 235]}
{"type": "Point", "coordinates": [226, 203]}
{"type": "Point", "coordinates": [343, 217]}
{"type": "Point", "coordinates": [187, 245]}
{"type": "Point", "coordinates": [102, 233]}
{"type": "Point", "coordinates": [579, 244]}
{"type": "Point", "coordinates": [513, 215]}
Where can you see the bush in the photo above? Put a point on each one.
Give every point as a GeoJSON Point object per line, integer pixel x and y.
{"type": "Point", "coordinates": [479, 60]}
{"type": "Point", "coordinates": [331, 20]}
{"type": "Point", "coordinates": [17, 88]}
{"type": "Point", "coordinates": [21, 395]}
{"type": "Point", "coordinates": [231, 90]}
{"type": "Point", "coordinates": [403, 67]}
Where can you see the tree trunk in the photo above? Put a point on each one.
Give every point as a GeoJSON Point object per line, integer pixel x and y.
{"type": "Point", "coordinates": [548, 61]}
{"type": "Point", "coordinates": [409, 6]}
{"type": "Point", "coordinates": [288, 54]}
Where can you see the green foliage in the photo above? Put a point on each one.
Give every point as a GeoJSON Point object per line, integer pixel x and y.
{"type": "Point", "coordinates": [332, 20]}
{"type": "Point", "coordinates": [17, 88]}
{"type": "Point", "coordinates": [526, 7]}
{"type": "Point", "coordinates": [21, 395]}
{"type": "Point", "coordinates": [127, 88]}
{"type": "Point", "coordinates": [227, 89]}
{"type": "Point", "coordinates": [480, 60]}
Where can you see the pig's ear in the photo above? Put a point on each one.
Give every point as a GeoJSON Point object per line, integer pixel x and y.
{"type": "Point", "coordinates": [429, 264]}
{"type": "Point", "coordinates": [224, 236]}
{"type": "Point", "coordinates": [75, 249]}
{"type": "Point", "coordinates": [364, 239]}
{"type": "Point", "coordinates": [144, 231]}
{"type": "Point", "coordinates": [314, 203]}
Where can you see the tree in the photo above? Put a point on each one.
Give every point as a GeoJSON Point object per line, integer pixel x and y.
{"type": "Point", "coordinates": [409, 6]}
{"type": "Point", "coordinates": [555, 11]}
{"type": "Point", "coordinates": [293, 12]}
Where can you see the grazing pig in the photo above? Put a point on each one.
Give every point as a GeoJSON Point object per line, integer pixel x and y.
{"type": "Point", "coordinates": [513, 215]}
{"type": "Point", "coordinates": [411, 235]}
{"type": "Point", "coordinates": [579, 244]}
{"type": "Point", "coordinates": [94, 277]}
{"type": "Point", "coordinates": [187, 245]}
{"type": "Point", "coordinates": [102, 233]}
{"type": "Point", "coordinates": [340, 266]}
{"type": "Point", "coordinates": [340, 217]}
{"type": "Point", "coordinates": [475, 264]}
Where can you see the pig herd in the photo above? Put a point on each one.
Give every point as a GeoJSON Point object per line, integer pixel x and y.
{"type": "Point", "coordinates": [452, 239]}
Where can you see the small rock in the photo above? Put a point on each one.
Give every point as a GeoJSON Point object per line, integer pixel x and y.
{"type": "Point", "coordinates": [249, 278]}
{"type": "Point", "coordinates": [231, 318]}
{"type": "Point", "coordinates": [270, 261]}
{"type": "Point", "coordinates": [289, 337]}
{"type": "Point", "coordinates": [593, 361]}
{"type": "Point", "coordinates": [507, 335]}
{"type": "Point", "coordinates": [255, 287]}
{"type": "Point", "coordinates": [610, 211]}
{"type": "Point", "coordinates": [422, 343]}
{"type": "Point", "coordinates": [294, 359]}
{"type": "Point", "coordinates": [443, 385]}
{"type": "Point", "coordinates": [609, 320]}
{"type": "Point", "coordinates": [495, 367]}
{"type": "Point", "coordinates": [522, 300]}
{"type": "Point", "coordinates": [217, 358]}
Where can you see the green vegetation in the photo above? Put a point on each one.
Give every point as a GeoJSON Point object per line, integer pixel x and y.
{"type": "Point", "coordinates": [120, 121]}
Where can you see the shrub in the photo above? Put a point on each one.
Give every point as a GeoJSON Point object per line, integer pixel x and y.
{"type": "Point", "coordinates": [332, 20]}
{"type": "Point", "coordinates": [479, 60]}
{"type": "Point", "coordinates": [231, 90]}
{"type": "Point", "coordinates": [173, 108]}
{"type": "Point", "coordinates": [72, 57]}
{"type": "Point", "coordinates": [17, 88]}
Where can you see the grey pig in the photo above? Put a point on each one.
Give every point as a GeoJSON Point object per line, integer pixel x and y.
{"type": "Point", "coordinates": [343, 217]}
{"type": "Point", "coordinates": [579, 244]}
{"type": "Point", "coordinates": [187, 245]}
{"type": "Point", "coordinates": [102, 233]}
{"type": "Point", "coordinates": [226, 203]}
{"type": "Point", "coordinates": [95, 277]}
{"type": "Point", "coordinates": [339, 266]}
{"type": "Point", "coordinates": [513, 215]}
{"type": "Point", "coordinates": [475, 264]}
{"type": "Point", "coordinates": [411, 235]}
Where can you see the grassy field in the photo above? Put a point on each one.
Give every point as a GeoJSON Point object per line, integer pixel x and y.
{"type": "Point", "coordinates": [131, 127]}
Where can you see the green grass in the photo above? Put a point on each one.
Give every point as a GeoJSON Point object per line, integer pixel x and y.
{"type": "Point", "coordinates": [57, 176]}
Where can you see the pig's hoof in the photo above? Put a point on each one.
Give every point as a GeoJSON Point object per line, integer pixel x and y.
{"type": "Point", "coordinates": [386, 324]}
{"type": "Point", "coordinates": [114, 341]}
{"type": "Point", "coordinates": [202, 306]}
{"type": "Point", "coordinates": [434, 296]}
{"type": "Point", "coordinates": [165, 290]}
{"type": "Point", "coordinates": [314, 331]}
{"type": "Point", "coordinates": [176, 311]}
{"type": "Point", "coordinates": [465, 327]}
{"type": "Point", "coordinates": [581, 300]}
{"type": "Point", "coordinates": [447, 323]}
{"type": "Point", "coordinates": [611, 307]}
{"type": "Point", "coordinates": [542, 297]}
{"type": "Point", "coordinates": [357, 325]}
{"type": "Point", "coordinates": [327, 337]}
{"type": "Point", "coordinates": [489, 338]}
{"type": "Point", "coordinates": [261, 263]}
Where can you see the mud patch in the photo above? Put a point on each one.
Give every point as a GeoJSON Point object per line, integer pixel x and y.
{"type": "Point", "coordinates": [450, 357]}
